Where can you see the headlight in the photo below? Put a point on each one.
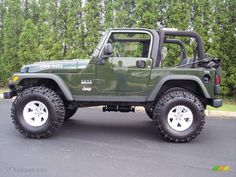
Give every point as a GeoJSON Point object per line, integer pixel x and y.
{"type": "Point", "coordinates": [15, 78]}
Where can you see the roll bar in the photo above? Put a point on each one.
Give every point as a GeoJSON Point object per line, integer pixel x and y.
{"type": "Point", "coordinates": [191, 34]}
{"type": "Point", "coordinates": [181, 45]}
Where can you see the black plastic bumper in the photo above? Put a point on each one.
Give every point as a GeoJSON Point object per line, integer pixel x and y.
{"type": "Point", "coordinates": [216, 103]}
{"type": "Point", "coordinates": [8, 95]}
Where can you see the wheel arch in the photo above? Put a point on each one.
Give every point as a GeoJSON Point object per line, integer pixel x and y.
{"type": "Point", "coordinates": [49, 80]}
{"type": "Point", "coordinates": [190, 83]}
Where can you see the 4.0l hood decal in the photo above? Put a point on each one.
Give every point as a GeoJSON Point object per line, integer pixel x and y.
{"type": "Point", "coordinates": [56, 66]}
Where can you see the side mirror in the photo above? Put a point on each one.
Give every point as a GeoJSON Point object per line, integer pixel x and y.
{"type": "Point", "coordinates": [108, 49]}
{"type": "Point", "coordinates": [106, 54]}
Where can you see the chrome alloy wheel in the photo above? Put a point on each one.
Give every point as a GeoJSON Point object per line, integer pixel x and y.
{"type": "Point", "coordinates": [35, 113]}
{"type": "Point", "coordinates": [180, 118]}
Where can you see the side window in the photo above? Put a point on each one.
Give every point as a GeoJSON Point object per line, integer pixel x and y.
{"type": "Point", "coordinates": [130, 44]}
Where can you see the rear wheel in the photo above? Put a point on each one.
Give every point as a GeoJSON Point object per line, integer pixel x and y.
{"type": "Point", "coordinates": [179, 115]}
{"type": "Point", "coordinates": [149, 110]}
{"type": "Point", "coordinates": [37, 112]}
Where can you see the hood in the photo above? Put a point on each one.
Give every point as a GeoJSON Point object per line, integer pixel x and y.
{"type": "Point", "coordinates": [56, 66]}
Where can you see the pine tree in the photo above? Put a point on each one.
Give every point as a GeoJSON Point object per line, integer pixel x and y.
{"type": "Point", "coordinates": [109, 14]}
{"type": "Point", "coordinates": [147, 18]}
{"type": "Point", "coordinates": [202, 16]}
{"type": "Point", "coordinates": [49, 48]}
{"type": "Point", "coordinates": [2, 14]}
{"type": "Point", "coordinates": [223, 42]}
{"type": "Point", "coordinates": [28, 44]}
{"type": "Point", "coordinates": [75, 31]}
{"type": "Point", "coordinates": [13, 23]}
{"type": "Point", "coordinates": [125, 13]}
{"type": "Point", "coordinates": [93, 25]}
{"type": "Point", "coordinates": [62, 26]}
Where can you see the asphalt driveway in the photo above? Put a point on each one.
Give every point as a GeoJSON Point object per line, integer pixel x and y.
{"type": "Point", "coordinates": [100, 144]}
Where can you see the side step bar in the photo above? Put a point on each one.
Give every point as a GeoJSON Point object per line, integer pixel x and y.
{"type": "Point", "coordinates": [115, 108]}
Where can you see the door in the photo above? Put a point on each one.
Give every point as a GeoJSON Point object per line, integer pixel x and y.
{"type": "Point", "coordinates": [128, 69]}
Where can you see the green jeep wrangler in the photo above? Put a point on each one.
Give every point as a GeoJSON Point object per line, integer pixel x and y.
{"type": "Point", "coordinates": [125, 70]}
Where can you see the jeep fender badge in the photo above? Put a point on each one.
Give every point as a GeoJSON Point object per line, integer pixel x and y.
{"type": "Point", "coordinates": [86, 89]}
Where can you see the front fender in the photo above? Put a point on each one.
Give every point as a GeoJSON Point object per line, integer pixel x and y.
{"type": "Point", "coordinates": [61, 84]}
{"type": "Point", "coordinates": [158, 87]}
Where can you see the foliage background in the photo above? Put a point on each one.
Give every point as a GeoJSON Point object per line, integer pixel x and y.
{"type": "Point", "coordinates": [37, 30]}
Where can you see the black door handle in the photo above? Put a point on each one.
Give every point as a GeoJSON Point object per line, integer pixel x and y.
{"type": "Point", "coordinates": [141, 64]}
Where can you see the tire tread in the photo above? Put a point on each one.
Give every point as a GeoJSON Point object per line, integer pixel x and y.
{"type": "Point", "coordinates": [55, 100]}
{"type": "Point", "coordinates": [162, 102]}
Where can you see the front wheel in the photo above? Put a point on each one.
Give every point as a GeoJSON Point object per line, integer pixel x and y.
{"type": "Point", "coordinates": [37, 112]}
{"type": "Point", "coordinates": [179, 115]}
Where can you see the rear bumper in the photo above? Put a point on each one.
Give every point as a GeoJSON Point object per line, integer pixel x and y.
{"type": "Point", "coordinates": [9, 95]}
{"type": "Point", "coordinates": [216, 103]}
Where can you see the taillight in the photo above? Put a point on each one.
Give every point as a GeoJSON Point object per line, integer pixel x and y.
{"type": "Point", "coordinates": [217, 80]}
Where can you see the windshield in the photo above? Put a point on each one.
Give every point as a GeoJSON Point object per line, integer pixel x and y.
{"type": "Point", "coordinates": [99, 46]}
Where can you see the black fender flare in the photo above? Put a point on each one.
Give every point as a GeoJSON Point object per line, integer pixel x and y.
{"type": "Point", "coordinates": [158, 87]}
{"type": "Point", "coordinates": [61, 84]}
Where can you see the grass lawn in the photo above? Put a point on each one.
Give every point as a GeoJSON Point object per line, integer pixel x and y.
{"type": "Point", "coordinates": [228, 105]}
{"type": "Point", "coordinates": [2, 89]}
{"type": "Point", "coordinates": [225, 107]}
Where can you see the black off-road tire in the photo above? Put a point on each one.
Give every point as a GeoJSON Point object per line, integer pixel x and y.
{"type": "Point", "coordinates": [52, 101]}
{"type": "Point", "coordinates": [170, 100]}
{"type": "Point", "coordinates": [69, 113]}
{"type": "Point", "coordinates": [149, 110]}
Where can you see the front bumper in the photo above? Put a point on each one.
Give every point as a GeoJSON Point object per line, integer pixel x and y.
{"type": "Point", "coordinates": [216, 103]}
{"type": "Point", "coordinates": [9, 95]}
